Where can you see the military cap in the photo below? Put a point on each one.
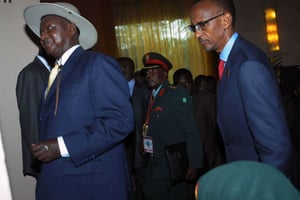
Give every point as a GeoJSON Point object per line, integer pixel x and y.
{"type": "Point", "coordinates": [155, 60]}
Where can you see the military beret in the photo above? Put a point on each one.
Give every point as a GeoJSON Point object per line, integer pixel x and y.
{"type": "Point", "coordinates": [155, 60]}
{"type": "Point", "coordinates": [245, 180]}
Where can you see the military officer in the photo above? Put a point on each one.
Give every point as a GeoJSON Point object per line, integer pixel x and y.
{"type": "Point", "coordinates": [169, 120]}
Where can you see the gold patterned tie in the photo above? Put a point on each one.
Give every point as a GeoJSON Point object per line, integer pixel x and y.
{"type": "Point", "coordinates": [52, 76]}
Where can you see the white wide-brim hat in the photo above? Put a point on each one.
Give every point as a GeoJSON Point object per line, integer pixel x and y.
{"type": "Point", "coordinates": [34, 13]}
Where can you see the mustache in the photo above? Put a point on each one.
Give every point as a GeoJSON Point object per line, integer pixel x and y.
{"type": "Point", "coordinates": [200, 39]}
{"type": "Point", "coordinates": [46, 41]}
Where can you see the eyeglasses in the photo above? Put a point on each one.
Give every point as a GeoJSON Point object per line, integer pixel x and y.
{"type": "Point", "coordinates": [201, 25]}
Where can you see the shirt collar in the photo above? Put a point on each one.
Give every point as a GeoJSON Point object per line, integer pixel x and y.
{"type": "Point", "coordinates": [63, 59]}
{"type": "Point", "coordinates": [43, 60]}
{"type": "Point", "coordinates": [131, 85]}
{"type": "Point", "coordinates": [226, 51]}
{"type": "Point", "coordinates": [155, 92]}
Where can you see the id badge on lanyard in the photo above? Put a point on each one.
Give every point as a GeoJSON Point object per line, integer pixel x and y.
{"type": "Point", "coordinates": [147, 140]}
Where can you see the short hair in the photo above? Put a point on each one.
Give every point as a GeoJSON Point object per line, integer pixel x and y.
{"type": "Point", "coordinates": [181, 72]}
{"type": "Point", "coordinates": [126, 61]}
{"type": "Point", "coordinates": [198, 80]}
{"type": "Point", "coordinates": [212, 83]}
{"type": "Point", "coordinates": [225, 6]}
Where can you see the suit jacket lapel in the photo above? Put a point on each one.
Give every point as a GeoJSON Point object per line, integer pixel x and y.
{"type": "Point", "coordinates": [65, 71]}
{"type": "Point", "coordinates": [223, 83]}
{"type": "Point", "coordinates": [160, 94]}
{"type": "Point", "coordinates": [229, 72]}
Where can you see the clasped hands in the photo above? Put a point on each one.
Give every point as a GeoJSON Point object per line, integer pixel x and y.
{"type": "Point", "coordinates": [46, 151]}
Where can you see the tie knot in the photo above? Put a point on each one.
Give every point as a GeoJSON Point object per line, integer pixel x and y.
{"type": "Point", "coordinates": [57, 66]}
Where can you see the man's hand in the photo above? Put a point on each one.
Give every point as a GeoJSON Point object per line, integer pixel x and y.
{"type": "Point", "coordinates": [46, 151]}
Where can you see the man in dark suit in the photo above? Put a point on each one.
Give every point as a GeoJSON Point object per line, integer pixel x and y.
{"type": "Point", "coordinates": [169, 120]}
{"type": "Point", "coordinates": [140, 94]}
{"type": "Point", "coordinates": [250, 115]}
{"type": "Point", "coordinates": [85, 115]}
{"type": "Point", "coordinates": [30, 87]}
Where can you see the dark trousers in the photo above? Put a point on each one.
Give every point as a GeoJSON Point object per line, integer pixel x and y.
{"type": "Point", "coordinates": [139, 175]}
{"type": "Point", "coordinates": [163, 190]}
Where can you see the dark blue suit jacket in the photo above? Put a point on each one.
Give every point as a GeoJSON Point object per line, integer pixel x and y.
{"type": "Point", "coordinates": [94, 116]}
{"type": "Point", "coordinates": [249, 109]}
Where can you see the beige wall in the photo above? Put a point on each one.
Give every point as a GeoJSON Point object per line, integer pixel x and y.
{"type": "Point", "coordinates": [16, 50]}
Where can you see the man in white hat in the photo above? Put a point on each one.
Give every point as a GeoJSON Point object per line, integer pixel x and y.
{"type": "Point", "coordinates": [86, 113]}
